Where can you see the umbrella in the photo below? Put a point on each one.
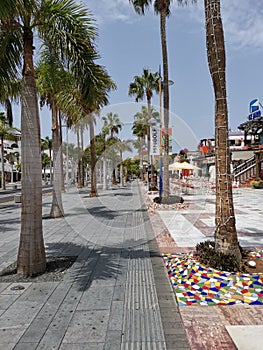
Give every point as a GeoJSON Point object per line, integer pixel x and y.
{"type": "Point", "coordinates": [183, 166]}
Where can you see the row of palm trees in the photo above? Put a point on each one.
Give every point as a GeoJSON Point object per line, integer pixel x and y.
{"type": "Point", "coordinates": [68, 80]}
{"type": "Point", "coordinates": [225, 232]}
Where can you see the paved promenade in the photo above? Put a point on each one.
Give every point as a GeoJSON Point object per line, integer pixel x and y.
{"type": "Point", "coordinates": [117, 294]}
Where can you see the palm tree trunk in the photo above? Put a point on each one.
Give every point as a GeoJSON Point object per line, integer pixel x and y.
{"type": "Point", "coordinates": [60, 153]}
{"type": "Point", "coordinates": [56, 207]}
{"type": "Point", "coordinates": [31, 252]}
{"type": "Point", "coordinates": [141, 158]}
{"type": "Point", "coordinates": [79, 160]}
{"type": "Point", "coordinates": [225, 232]}
{"type": "Point", "coordinates": [121, 170]}
{"type": "Point", "coordinates": [105, 180]}
{"type": "Point", "coordinates": [166, 184]}
{"type": "Point", "coordinates": [82, 157]}
{"type": "Point", "coordinates": [2, 165]}
{"type": "Point", "coordinates": [93, 189]}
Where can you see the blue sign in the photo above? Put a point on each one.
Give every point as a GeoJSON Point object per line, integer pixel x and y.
{"type": "Point", "coordinates": [254, 115]}
{"type": "Point", "coordinates": [254, 105]}
{"type": "Point", "coordinates": [254, 109]}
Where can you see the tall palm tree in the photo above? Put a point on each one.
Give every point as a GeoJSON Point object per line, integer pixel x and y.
{"type": "Point", "coordinates": [113, 124]}
{"type": "Point", "coordinates": [225, 232]}
{"type": "Point", "coordinates": [67, 27]}
{"type": "Point", "coordinates": [123, 146]}
{"type": "Point", "coordinates": [162, 8]}
{"type": "Point", "coordinates": [140, 129]}
{"type": "Point", "coordinates": [86, 99]}
{"type": "Point", "coordinates": [144, 86]}
{"type": "Point", "coordinates": [104, 133]}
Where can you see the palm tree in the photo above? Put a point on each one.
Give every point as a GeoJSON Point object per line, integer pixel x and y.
{"type": "Point", "coordinates": [86, 99]}
{"type": "Point", "coordinates": [104, 133]}
{"type": "Point", "coordinates": [225, 232]}
{"type": "Point", "coordinates": [162, 8]}
{"type": "Point", "coordinates": [123, 146]}
{"type": "Point", "coordinates": [67, 27]}
{"type": "Point", "coordinates": [144, 86]}
{"type": "Point", "coordinates": [47, 144]}
{"type": "Point", "coordinates": [113, 124]}
{"type": "Point", "coordinates": [45, 162]}
{"type": "Point", "coordinates": [141, 128]}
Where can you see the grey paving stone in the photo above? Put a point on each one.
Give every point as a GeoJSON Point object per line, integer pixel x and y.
{"type": "Point", "coordinates": [109, 297]}
{"type": "Point", "coordinates": [6, 300]}
{"type": "Point", "coordinates": [3, 286]}
{"type": "Point", "coordinates": [97, 297]}
{"type": "Point", "coordinates": [26, 346]}
{"type": "Point", "coordinates": [41, 322]}
{"type": "Point", "coordinates": [83, 346]}
{"type": "Point", "coordinates": [113, 340]}
{"type": "Point", "coordinates": [87, 326]}
{"type": "Point", "coordinates": [116, 316]}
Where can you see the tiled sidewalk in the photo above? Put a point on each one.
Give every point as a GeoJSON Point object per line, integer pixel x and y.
{"type": "Point", "coordinates": [116, 296]}
{"type": "Point", "coordinates": [178, 230]}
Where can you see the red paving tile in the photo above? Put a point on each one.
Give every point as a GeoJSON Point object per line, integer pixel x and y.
{"type": "Point", "coordinates": [241, 314]}
{"type": "Point", "coordinates": [209, 338]}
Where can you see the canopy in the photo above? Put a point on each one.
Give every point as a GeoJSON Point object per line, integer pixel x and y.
{"type": "Point", "coordinates": [183, 166]}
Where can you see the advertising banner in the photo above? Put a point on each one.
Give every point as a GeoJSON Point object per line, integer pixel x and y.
{"type": "Point", "coordinates": [155, 141]}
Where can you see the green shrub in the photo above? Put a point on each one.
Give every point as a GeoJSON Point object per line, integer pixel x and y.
{"type": "Point", "coordinates": [210, 257]}
{"type": "Point", "coordinates": [256, 183]}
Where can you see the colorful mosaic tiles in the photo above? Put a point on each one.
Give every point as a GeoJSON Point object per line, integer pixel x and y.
{"type": "Point", "coordinates": [258, 254]}
{"type": "Point", "coordinates": [195, 284]}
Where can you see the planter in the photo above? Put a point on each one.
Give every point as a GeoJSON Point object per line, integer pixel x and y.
{"type": "Point", "coordinates": [17, 198]}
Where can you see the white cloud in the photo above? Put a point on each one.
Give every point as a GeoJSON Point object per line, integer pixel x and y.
{"type": "Point", "coordinates": [109, 11]}
{"type": "Point", "coordinates": [242, 19]}
{"type": "Point", "coordinates": [243, 24]}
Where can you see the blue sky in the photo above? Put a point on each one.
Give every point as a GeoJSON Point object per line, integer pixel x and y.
{"type": "Point", "coordinates": [128, 43]}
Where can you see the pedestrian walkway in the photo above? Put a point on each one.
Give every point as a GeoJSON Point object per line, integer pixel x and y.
{"type": "Point", "coordinates": [115, 296]}
{"type": "Point", "coordinates": [178, 230]}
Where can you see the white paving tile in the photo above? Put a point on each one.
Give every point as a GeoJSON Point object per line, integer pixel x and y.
{"type": "Point", "coordinates": [246, 337]}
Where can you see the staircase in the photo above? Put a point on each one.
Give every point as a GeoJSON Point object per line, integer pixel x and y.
{"type": "Point", "coordinates": [245, 172]}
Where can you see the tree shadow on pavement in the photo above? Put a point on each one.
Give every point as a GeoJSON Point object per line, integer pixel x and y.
{"type": "Point", "coordinates": [97, 263]}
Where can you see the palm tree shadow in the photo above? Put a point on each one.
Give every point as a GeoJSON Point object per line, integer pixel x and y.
{"type": "Point", "coordinates": [91, 264]}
